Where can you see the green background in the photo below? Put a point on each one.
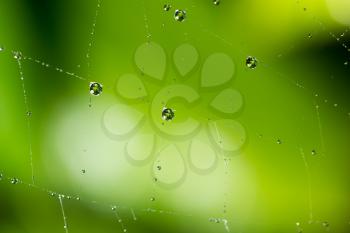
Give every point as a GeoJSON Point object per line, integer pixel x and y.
{"type": "Point", "coordinates": [267, 187]}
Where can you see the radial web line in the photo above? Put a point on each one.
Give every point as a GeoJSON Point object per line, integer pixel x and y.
{"type": "Point", "coordinates": [28, 113]}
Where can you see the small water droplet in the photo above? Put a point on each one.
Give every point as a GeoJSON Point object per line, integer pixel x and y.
{"type": "Point", "coordinates": [77, 198]}
{"type": "Point", "coordinates": [346, 63]}
{"type": "Point", "coordinates": [335, 105]}
{"type": "Point", "coordinates": [180, 15]}
{"type": "Point", "coordinates": [155, 179]}
{"type": "Point", "coordinates": [216, 2]}
{"type": "Point", "coordinates": [166, 7]}
{"type": "Point", "coordinates": [325, 224]}
{"type": "Point", "coordinates": [114, 208]}
{"type": "Point", "coordinates": [168, 114]}
{"type": "Point", "coordinates": [279, 141]}
{"type": "Point", "coordinates": [29, 114]}
{"type": "Point", "coordinates": [2, 48]}
{"type": "Point", "coordinates": [17, 55]}
{"type": "Point", "coordinates": [309, 35]}
{"type": "Point", "coordinates": [1, 176]}
{"type": "Point", "coordinates": [251, 62]}
{"type": "Point", "coordinates": [14, 180]}
{"type": "Point", "coordinates": [159, 168]}
{"type": "Point", "coordinates": [83, 171]}
{"type": "Point", "coordinates": [313, 152]}
{"type": "Point", "coordinates": [152, 199]}
{"type": "Point", "coordinates": [95, 88]}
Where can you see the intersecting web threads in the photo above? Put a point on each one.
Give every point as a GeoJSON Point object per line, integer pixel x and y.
{"type": "Point", "coordinates": [224, 220]}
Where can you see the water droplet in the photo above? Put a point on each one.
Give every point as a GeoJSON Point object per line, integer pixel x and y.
{"type": "Point", "coordinates": [216, 2]}
{"type": "Point", "coordinates": [159, 168]}
{"type": "Point", "coordinates": [83, 171]}
{"type": "Point", "coordinates": [77, 198]}
{"type": "Point", "coordinates": [168, 114]}
{"type": "Point", "coordinates": [279, 141]}
{"type": "Point", "coordinates": [335, 105]}
{"type": "Point", "coordinates": [95, 88]}
{"type": "Point", "coordinates": [346, 63]}
{"type": "Point", "coordinates": [251, 62]}
{"type": "Point", "coordinates": [14, 180]}
{"type": "Point", "coordinates": [29, 113]}
{"type": "Point", "coordinates": [297, 224]}
{"type": "Point", "coordinates": [17, 55]}
{"type": "Point", "coordinates": [325, 224]}
{"type": "Point", "coordinates": [114, 208]}
{"type": "Point", "coordinates": [2, 48]}
{"type": "Point", "coordinates": [313, 152]}
{"type": "Point", "coordinates": [152, 199]}
{"type": "Point", "coordinates": [155, 179]}
{"type": "Point", "coordinates": [180, 15]}
{"type": "Point", "coordinates": [166, 7]}
{"type": "Point", "coordinates": [309, 35]}
{"type": "Point", "coordinates": [1, 176]}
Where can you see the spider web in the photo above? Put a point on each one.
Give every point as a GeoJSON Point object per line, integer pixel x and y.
{"type": "Point", "coordinates": [127, 216]}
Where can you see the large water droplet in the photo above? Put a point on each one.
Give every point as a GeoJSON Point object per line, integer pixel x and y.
{"type": "Point", "coordinates": [95, 88]}
{"type": "Point", "coordinates": [168, 114]}
{"type": "Point", "coordinates": [180, 15]}
{"type": "Point", "coordinates": [251, 62]}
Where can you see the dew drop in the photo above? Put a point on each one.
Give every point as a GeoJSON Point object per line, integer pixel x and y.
{"type": "Point", "coordinates": [180, 15]}
{"type": "Point", "coordinates": [279, 141]}
{"type": "Point", "coordinates": [168, 114]}
{"type": "Point", "coordinates": [216, 2]}
{"type": "Point", "coordinates": [166, 7]}
{"type": "Point", "coordinates": [29, 114]}
{"type": "Point", "coordinates": [159, 168]}
{"type": "Point", "coordinates": [313, 152]}
{"type": "Point", "coordinates": [95, 88]}
{"type": "Point", "coordinates": [325, 224]}
{"type": "Point", "coordinates": [251, 62]}
{"type": "Point", "coordinates": [1, 176]}
{"type": "Point", "coordinates": [309, 35]}
{"type": "Point", "coordinates": [114, 208]}
{"type": "Point", "coordinates": [14, 180]}
{"type": "Point", "coordinates": [152, 199]}
{"type": "Point", "coordinates": [346, 63]}
{"type": "Point", "coordinates": [2, 48]}
{"type": "Point", "coordinates": [83, 171]}
{"type": "Point", "coordinates": [17, 55]}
